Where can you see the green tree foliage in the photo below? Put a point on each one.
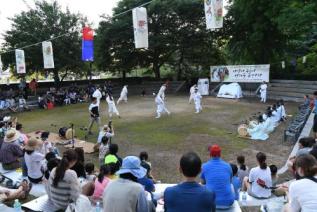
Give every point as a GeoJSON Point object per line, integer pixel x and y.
{"type": "Point", "coordinates": [177, 36]}
{"type": "Point", "coordinates": [46, 21]}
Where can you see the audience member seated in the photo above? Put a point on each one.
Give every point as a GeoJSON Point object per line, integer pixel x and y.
{"type": "Point", "coordinates": [236, 181]}
{"type": "Point", "coordinates": [42, 102]}
{"type": "Point", "coordinates": [46, 145]}
{"type": "Point", "coordinates": [23, 137]}
{"type": "Point", "coordinates": [101, 182]}
{"type": "Point", "coordinates": [144, 157]}
{"type": "Point", "coordinates": [112, 156]}
{"type": "Point", "coordinates": [217, 174]}
{"type": "Point", "coordinates": [11, 152]}
{"type": "Point", "coordinates": [243, 170]}
{"type": "Point", "coordinates": [33, 160]}
{"type": "Point", "coordinates": [22, 103]}
{"type": "Point", "coordinates": [259, 182]}
{"type": "Point", "coordinates": [90, 171]}
{"type": "Point", "coordinates": [274, 175]}
{"type": "Point", "coordinates": [63, 186]}
{"type": "Point", "coordinates": [189, 195]}
{"type": "Point", "coordinates": [259, 131]}
{"type": "Point", "coordinates": [12, 194]}
{"type": "Point", "coordinates": [79, 167]}
{"type": "Point", "coordinates": [49, 105]}
{"type": "Point", "coordinates": [103, 149]}
{"type": "Point", "coordinates": [305, 145]}
{"type": "Point", "coordinates": [302, 193]}
{"type": "Point", "coordinates": [125, 194]}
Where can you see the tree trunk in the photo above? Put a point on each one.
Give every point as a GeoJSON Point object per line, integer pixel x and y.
{"type": "Point", "coordinates": [57, 81]}
{"type": "Point", "coordinates": [156, 70]}
{"type": "Point", "coordinates": [180, 62]}
{"type": "Point", "coordinates": [124, 76]}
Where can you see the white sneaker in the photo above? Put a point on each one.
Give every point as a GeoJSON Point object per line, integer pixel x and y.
{"type": "Point", "coordinates": [157, 117]}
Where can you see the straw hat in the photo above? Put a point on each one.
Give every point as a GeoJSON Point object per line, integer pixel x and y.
{"type": "Point", "coordinates": [11, 135]}
{"type": "Point", "coordinates": [32, 144]}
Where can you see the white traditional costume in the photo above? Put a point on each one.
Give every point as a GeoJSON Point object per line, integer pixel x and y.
{"type": "Point", "coordinates": [192, 93]}
{"type": "Point", "coordinates": [123, 95]}
{"type": "Point", "coordinates": [160, 106]}
{"type": "Point", "coordinates": [276, 117]}
{"type": "Point", "coordinates": [197, 100]}
{"type": "Point", "coordinates": [263, 92]}
{"type": "Point", "coordinates": [112, 109]}
{"type": "Point", "coordinates": [268, 125]}
{"type": "Point", "coordinates": [97, 94]}
{"type": "Point", "coordinates": [258, 132]}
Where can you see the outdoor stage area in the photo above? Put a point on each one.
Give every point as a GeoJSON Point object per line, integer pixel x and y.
{"type": "Point", "coordinates": [167, 138]}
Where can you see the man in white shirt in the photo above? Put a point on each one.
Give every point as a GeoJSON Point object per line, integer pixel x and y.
{"type": "Point", "coordinates": [263, 92]}
{"type": "Point", "coordinates": [192, 93]}
{"type": "Point", "coordinates": [123, 95]}
{"type": "Point", "coordinates": [112, 109]}
{"type": "Point", "coordinates": [97, 94]}
{"type": "Point", "coordinates": [197, 100]}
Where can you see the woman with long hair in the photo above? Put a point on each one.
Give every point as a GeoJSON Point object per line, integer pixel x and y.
{"type": "Point", "coordinates": [259, 182]}
{"type": "Point", "coordinates": [63, 186]}
{"type": "Point", "coordinates": [302, 193]}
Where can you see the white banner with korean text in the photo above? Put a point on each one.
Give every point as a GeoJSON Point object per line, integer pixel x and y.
{"type": "Point", "coordinates": [240, 73]}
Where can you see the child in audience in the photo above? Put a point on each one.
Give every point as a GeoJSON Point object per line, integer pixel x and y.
{"type": "Point", "coordinates": [146, 164]}
{"type": "Point", "coordinates": [243, 170]}
{"type": "Point", "coordinates": [90, 169]}
{"type": "Point", "coordinates": [235, 181]}
{"type": "Point", "coordinates": [101, 182]}
{"type": "Point", "coordinates": [274, 175]}
{"type": "Point", "coordinates": [46, 145]}
{"type": "Point", "coordinates": [103, 149]}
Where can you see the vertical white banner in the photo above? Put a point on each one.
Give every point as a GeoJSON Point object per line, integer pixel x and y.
{"type": "Point", "coordinates": [214, 14]}
{"type": "Point", "coordinates": [140, 26]}
{"type": "Point", "coordinates": [0, 65]}
{"type": "Point", "coordinates": [20, 61]}
{"type": "Point", "coordinates": [48, 58]}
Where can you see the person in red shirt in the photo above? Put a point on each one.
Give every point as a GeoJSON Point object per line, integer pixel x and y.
{"type": "Point", "coordinates": [33, 86]}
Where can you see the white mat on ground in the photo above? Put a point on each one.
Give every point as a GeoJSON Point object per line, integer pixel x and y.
{"type": "Point", "coordinates": [251, 201]}
{"type": "Point", "coordinates": [305, 133]}
{"type": "Point", "coordinates": [37, 189]}
{"type": "Point", "coordinates": [231, 91]}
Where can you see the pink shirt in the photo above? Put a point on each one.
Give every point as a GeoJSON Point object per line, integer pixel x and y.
{"type": "Point", "coordinates": [100, 187]}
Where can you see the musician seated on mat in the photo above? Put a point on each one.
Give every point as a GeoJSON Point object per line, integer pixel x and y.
{"type": "Point", "coordinates": [258, 132]}
{"type": "Point", "coordinates": [268, 123]}
{"type": "Point", "coordinates": [276, 116]}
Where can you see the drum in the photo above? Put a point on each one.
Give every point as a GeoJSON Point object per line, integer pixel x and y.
{"type": "Point", "coordinates": [69, 134]}
{"type": "Point", "coordinates": [242, 130]}
{"type": "Point", "coordinates": [253, 123]}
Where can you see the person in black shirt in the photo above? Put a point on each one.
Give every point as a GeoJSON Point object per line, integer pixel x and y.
{"type": "Point", "coordinates": [94, 114]}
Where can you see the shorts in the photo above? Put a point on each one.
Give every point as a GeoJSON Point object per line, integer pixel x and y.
{"type": "Point", "coordinates": [315, 124]}
{"type": "Point", "coordinates": [36, 181]}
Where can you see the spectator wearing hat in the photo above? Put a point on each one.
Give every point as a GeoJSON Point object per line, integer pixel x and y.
{"type": "Point", "coordinates": [217, 175]}
{"type": "Point", "coordinates": [11, 151]}
{"type": "Point", "coordinates": [125, 194]}
{"type": "Point", "coordinates": [189, 195]}
{"type": "Point", "coordinates": [33, 160]}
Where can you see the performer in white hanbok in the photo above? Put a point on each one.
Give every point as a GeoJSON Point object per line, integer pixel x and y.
{"type": "Point", "coordinates": [123, 95]}
{"type": "Point", "coordinates": [197, 100]}
{"type": "Point", "coordinates": [283, 111]}
{"type": "Point", "coordinates": [263, 92]}
{"type": "Point", "coordinates": [258, 132]}
{"type": "Point", "coordinates": [268, 123]}
{"type": "Point", "coordinates": [112, 109]}
{"type": "Point", "coordinates": [97, 94]}
{"type": "Point", "coordinates": [192, 93]}
{"type": "Point", "coordinates": [161, 92]}
{"type": "Point", "coordinates": [161, 108]}
{"type": "Point", "coordinates": [276, 116]}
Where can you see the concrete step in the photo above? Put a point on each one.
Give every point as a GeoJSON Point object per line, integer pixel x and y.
{"type": "Point", "coordinates": [295, 90]}
{"type": "Point", "coordinates": [286, 93]}
{"type": "Point", "coordinates": [294, 82]}
{"type": "Point", "coordinates": [305, 86]}
{"type": "Point", "coordinates": [285, 98]}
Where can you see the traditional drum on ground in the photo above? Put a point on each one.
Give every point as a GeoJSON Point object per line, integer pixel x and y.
{"type": "Point", "coordinates": [242, 130]}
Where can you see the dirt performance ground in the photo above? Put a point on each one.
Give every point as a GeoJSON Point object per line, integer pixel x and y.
{"type": "Point", "coordinates": [166, 139]}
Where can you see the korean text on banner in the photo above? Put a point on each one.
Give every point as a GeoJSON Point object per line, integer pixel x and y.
{"type": "Point", "coordinates": [240, 73]}
{"type": "Point", "coordinates": [140, 26]}
{"type": "Point", "coordinates": [20, 61]}
{"type": "Point", "coordinates": [214, 14]}
{"type": "Point", "coordinates": [48, 58]}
